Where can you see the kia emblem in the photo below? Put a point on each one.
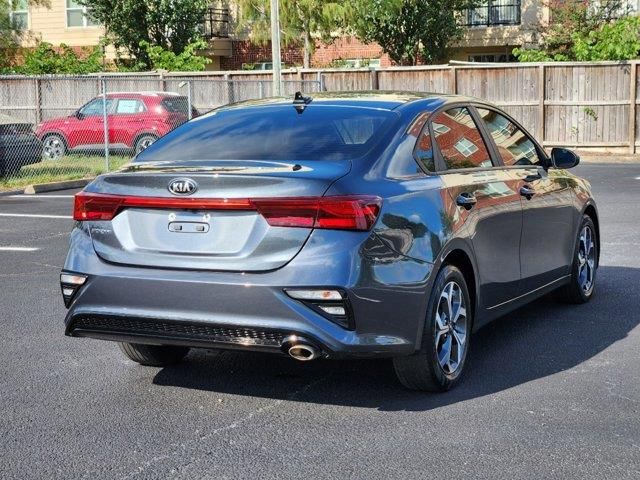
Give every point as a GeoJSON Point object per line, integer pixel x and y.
{"type": "Point", "coordinates": [182, 186]}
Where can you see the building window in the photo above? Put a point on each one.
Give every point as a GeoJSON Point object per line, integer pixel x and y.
{"type": "Point", "coordinates": [493, 58]}
{"type": "Point", "coordinates": [465, 147]}
{"type": "Point", "coordinates": [19, 14]}
{"type": "Point", "coordinates": [492, 12]}
{"type": "Point", "coordinates": [77, 15]}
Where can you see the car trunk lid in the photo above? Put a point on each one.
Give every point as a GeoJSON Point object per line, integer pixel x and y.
{"type": "Point", "coordinates": [213, 227]}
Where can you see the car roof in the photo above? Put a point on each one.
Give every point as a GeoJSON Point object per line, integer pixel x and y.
{"type": "Point", "coordinates": [142, 94]}
{"type": "Point", "coordinates": [379, 99]}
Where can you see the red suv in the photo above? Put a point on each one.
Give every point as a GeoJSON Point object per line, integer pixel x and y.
{"type": "Point", "coordinates": [135, 120]}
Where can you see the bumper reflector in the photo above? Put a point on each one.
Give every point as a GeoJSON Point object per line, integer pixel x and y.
{"type": "Point", "coordinates": [70, 283]}
{"type": "Point", "coordinates": [331, 304]}
{"type": "Point", "coordinates": [72, 279]}
{"type": "Point", "coordinates": [322, 295]}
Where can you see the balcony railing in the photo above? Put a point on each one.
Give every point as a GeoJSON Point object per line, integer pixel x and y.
{"type": "Point", "coordinates": [216, 23]}
{"type": "Point", "coordinates": [493, 12]}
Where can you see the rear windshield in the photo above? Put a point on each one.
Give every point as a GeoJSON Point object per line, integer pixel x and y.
{"type": "Point", "coordinates": [274, 133]}
{"type": "Point", "coordinates": [176, 105]}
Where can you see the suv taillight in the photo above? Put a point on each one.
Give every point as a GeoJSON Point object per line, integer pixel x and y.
{"type": "Point", "coordinates": [349, 212]}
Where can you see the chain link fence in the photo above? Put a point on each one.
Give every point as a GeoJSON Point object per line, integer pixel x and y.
{"type": "Point", "coordinates": [64, 128]}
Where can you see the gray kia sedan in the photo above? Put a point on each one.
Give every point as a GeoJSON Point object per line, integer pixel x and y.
{"type": "Point", "coordinates": [347, 225]}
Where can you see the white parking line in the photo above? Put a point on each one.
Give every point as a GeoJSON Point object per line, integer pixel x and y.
{"type": "Point", "coordinates": [18, 249]}
{"type": "Point", "coordinates": [33, 215]}
{"type": "Point", "coordinates": [39, 197]}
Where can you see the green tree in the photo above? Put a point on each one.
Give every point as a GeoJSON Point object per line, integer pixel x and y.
{"type": "Point", "coordinates": [47, 59]}
{"type": "Point", "coordinates": [585, 31]}
{"type": "Point", "coordinates": [170, 24]}
{"type": "Point", "coordinates": [410, 31]}
{"type": "Point", "coordinates": [186, 61]}
{"type": "Point", "coordinates": [300, 20]}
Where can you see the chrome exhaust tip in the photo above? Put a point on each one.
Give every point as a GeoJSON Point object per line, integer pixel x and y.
{"type": "Point", "coordinates": [303, 353]}
{"type": "Point", "coordinates": [300, 349]}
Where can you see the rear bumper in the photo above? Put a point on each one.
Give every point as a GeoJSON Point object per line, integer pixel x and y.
{"type": "Point", "coordinates": [387, 293]}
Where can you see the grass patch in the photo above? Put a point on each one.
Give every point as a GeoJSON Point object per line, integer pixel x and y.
{"type": "Point", "coordinates": [69, 167]}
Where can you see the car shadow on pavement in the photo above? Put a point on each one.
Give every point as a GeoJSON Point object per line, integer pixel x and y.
{"type": "Point", "coordinates": [541, 339]}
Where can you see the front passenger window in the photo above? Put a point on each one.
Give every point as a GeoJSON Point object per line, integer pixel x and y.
{"type": "Point", "coordinates": [459, 140]}
{"type": "Point", "coordinates": [515, 147]}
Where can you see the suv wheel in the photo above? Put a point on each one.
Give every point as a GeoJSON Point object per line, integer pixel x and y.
{"type": "Point", "coordinates": [144, 141]}
{"type": "Point", "coordinates": [53, 147]}
{"type": "Point", "coordinates": [439, 363]}
{"type": "Point", "coordinates": [154, 355]}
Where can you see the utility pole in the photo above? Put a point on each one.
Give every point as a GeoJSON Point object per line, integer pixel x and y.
{"type": "Point", "coordinates": [275, 48]}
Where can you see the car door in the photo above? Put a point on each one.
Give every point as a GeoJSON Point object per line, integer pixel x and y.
{"type": "Point", "coordinates": [127, 120]}
{"type": "Point", "coordinates": [87, 129]}
{"type": "Point", "coordinates": [487, 201]}
{"type": "Point", "coordinates": [547, 243]}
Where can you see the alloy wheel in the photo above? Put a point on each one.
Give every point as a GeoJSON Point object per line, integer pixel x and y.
{"type": "Point", "coordinates": [451, 328]}
{"type": "Point", "coordinates": [144, 143]}
{"type": "Point", "coordinates": [53, 148]}
{"type": "Point", "coordinates": [586, 259]}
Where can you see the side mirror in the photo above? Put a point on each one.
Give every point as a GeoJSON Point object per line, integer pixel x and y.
{"type": "Point", "coordinates": [564, 158]}
{"type": "Point", "coordinates": [79, 115]}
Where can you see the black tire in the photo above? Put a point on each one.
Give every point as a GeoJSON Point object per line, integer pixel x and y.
{"type": "Point", "coordinates": [9, 170]}
{"type": "Point", "coordinates": [576, 291]}
{"type": "Point", "coordinates": [423, 370]}
{"type": "Point", "coordinates": [144, 141]}
{"type": "Point", "coordinates": [54, 146]}
{"type": "Point", "coordinates": [154, 355]}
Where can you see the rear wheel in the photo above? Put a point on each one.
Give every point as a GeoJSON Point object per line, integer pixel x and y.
{"type": "Point", "coordinates": [585, 264]}
{"type": "Point", "coordinates": [54, 147]}
{"type": "Point", "coordinates": [438, 365]}
{"type": "Point", "coordinates": [154, 355]}
{"type": "Point", "coordinates": [144, 141]}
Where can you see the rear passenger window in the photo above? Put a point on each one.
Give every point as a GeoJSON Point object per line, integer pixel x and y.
{"type": "Point", "coordinates": [459, 140]}
{"type": "Point", "coordinates": [423, 150]}
{"type": "Point", "coordinates": [129, 106]}
{"type": "Point", "coordinates": [515, 147]}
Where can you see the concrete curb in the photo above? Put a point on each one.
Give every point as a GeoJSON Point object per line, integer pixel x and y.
{"type": "Point", "coordinates": [11, 192]}
{"type": "Point", "coordinates": [53, 186]}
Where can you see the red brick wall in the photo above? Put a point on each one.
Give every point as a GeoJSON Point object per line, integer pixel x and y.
{"type": "Point", "coordinates": [346, 48]}
{"type": "Point", "coordinates": [292, 55]}
{"type": "Point", "coordinates": [246, 52]}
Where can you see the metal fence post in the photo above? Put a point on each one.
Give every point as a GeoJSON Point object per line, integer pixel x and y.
{"type": "Point", "coordinates": [189, 99]}
{"type": "Point", "coordinates": [230, 92]}
{"type": "Point", "coordinates": [320, 80]}
{"type": "Point", "coordinates": [105, 123]}
{"type": "Point", "coordinates": [373, 78]}
{"type": "Point", "coordinates": [38, 95]}
{"type": "Point", "coordinates": [632, 106]}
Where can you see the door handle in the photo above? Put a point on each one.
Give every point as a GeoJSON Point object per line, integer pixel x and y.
{"type": "Point", "coordinates": [527, 191]}
{"type": "Point", "coordinates": [466, 200]}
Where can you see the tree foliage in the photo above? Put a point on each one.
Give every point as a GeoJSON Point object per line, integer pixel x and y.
{"type": "Point", "coordinates": [47, 59]}
{"type": "Point", "coordinates": [586, 31]}
{"type": "Point", "coordinates": [410, 31]}
{"type": "Point", "coordinates": [300, 21]}
{"type": "Point", "coordinates": [171, 25]}
{"type": "Point", "coordinates": [186, 61]}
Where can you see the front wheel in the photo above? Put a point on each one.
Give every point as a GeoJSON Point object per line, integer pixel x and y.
{"type": "Point", "coordinates": [585, 265]}
{"type": "Point", "coordinates": [439, 363]}
{"type": "Point", "coordinates": [154, 355]}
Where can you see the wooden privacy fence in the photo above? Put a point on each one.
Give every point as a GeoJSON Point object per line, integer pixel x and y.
{"type": "Point", "coordinates": [589, 106]}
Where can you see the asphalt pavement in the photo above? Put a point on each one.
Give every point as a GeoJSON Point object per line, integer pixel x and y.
{"type": "Point", "coordinates": [551, 391]}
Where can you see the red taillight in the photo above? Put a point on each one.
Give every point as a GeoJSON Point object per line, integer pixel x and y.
{"type": "Point", "coordinates": [353, 212]}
